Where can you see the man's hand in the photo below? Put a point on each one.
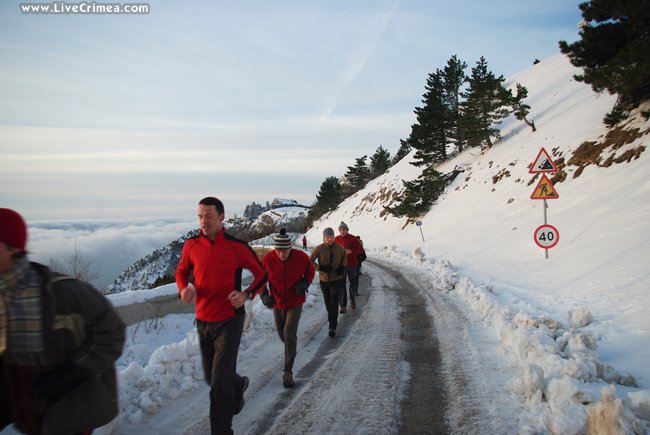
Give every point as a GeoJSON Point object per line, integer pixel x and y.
{"type": "Point", "coordinates": [187, 294]}
{"type": "Point", "coordinates": [237, 299]}
{"type": "Point", "coordinates": [267, 299]}
{"type": "Point", "coordinates": [348, 251]}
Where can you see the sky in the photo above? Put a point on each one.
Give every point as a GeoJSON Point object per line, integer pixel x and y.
{"type": "Point", "coordinates": [543, 342]}
{"type": "Point", "coordinates": [117, 117]}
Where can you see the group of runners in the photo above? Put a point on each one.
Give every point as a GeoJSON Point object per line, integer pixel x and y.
{"type": "Point", "coordinates": [50, 363]}
{"type": "Point", "coordinates": [210, 271]}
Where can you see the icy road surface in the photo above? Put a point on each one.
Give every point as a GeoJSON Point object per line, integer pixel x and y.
{"type": "Point", "coordinates": [405, 361]}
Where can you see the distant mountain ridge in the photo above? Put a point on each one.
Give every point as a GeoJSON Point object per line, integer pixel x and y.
{"type": "Point", "coordinates": [253, 210]}
{"type": "Point", "coordinates": [144, 273]}
{"type": "Point", "coordinates": [159, 266]}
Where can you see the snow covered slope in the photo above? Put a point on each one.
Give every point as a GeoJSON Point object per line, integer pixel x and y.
{"type": "Point", "coordinates": [483, 224]}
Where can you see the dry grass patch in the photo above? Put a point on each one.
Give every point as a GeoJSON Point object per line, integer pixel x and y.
{"type": "Point", "coordinates": [591, 153]}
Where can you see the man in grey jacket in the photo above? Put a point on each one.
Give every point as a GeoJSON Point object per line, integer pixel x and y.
{"type": "Point", "coordinates": [330, 260]}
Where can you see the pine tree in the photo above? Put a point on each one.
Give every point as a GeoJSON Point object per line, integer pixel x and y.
{"type": "Point", "coordinates": [358, 174]}
{"type": "Point", "coordinates": [379, 162]}
{"type": "Point", "coordinates": [614, 51]}
{"type": "Point", "coordinates": [330, 194]}
{"type": "Point", "coordinates": [519, 108]}
{"type": "Point", "coordinates": [428, 135]}
{"type": "Point", "coordinates": [404, 149]}
{"type": "Point", "coordinates": [454, 78]}
{"type": "Point", "coordinates": [419, 194]}
{"type": "Point", "coordinates": [314, 213]}
{"type": "Point", "coordinates": [486, 104]}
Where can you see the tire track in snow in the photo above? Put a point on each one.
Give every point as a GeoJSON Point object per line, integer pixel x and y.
{"type": "Point", "coordinates": [468, 358]}
{"type": "Point", "coordinates": [350, 386]}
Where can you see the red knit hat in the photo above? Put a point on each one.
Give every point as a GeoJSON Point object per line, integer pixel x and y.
{"type": "Point", "coordinates": [13, 230]}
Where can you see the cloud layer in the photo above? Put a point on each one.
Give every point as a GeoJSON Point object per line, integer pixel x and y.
{"type": "Point", "coordinates": [109, 247]}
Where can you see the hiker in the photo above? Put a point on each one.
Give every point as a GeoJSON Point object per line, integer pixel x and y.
{"type": "Point", "coordinates": [362, 258]}
{"type": "Point", "coordinates": [290, 273]}
{"type": "Point", "coordinates": [331, 266]}
{"type": "Point", "coordinates": [352, 250]}
{"type": "Point", "coordinates": [59, 340]}
{"type": "Point", "coordinates": [216, 259]}
{"type": "Point", "coordinates": [304, 243]}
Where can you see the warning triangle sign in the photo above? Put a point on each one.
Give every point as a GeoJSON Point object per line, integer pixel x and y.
{"type": "Point", "coordinates": [544, 190]}
{"type": "Point", "coordinates": [542, 163]}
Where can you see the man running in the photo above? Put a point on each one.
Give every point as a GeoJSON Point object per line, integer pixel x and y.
{"type": "Point", "coordinates": [353, 249]}
{"type": "Point", "coordinates": [290, 273]}
{"type": "Point", "coordinates": [216, 259]}
{"type": "Point", "coordinates": [331, 266]}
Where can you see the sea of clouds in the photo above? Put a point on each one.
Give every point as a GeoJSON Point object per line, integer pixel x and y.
{"type": "Point", "coordinates": [108, 246]}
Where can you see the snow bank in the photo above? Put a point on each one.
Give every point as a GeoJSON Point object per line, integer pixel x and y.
{"type": "Point", "coordinates": [564, 384]}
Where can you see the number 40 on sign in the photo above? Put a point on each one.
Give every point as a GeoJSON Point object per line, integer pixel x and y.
{"type": "Point", "coordinates": [546, 236]}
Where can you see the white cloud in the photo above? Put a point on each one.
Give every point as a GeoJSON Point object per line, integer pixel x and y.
{"type": "Point", "coordinates": [110, 247]}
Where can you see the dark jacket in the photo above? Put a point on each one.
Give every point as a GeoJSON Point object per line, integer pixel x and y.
{"type": "Point", "coordinates": [283, 276]}
{"type": "Point", "coordinates": [80, 326]}
{"type": "Point", "coordinates": [330, 256]}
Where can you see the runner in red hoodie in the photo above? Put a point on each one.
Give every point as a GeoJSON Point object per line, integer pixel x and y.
{"type": "Point", "coordinates": [216, 259]}
{"type": "Point", "coordinates": [352, 250]}
{"type": "Point", "coordinates": [290, 273]}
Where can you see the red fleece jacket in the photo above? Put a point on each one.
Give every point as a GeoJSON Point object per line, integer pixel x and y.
{"type": "Point", "coordinates": [217, 267]}
{"type": "Point", "coordinates": [352, 243]}
{"type": "Point", "coordinates": [283, 276]}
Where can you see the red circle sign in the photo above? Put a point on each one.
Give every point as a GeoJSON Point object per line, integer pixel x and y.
{"type": "Point", "coordinates": [547, 236]}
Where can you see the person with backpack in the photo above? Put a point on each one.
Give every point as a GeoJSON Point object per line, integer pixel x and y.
{"type": "Point", "coordinates": [59, 340]}
{"type": "Point", "coordinates": [290, 273]}
{"type": "Point", "coordinates": [362, 258]}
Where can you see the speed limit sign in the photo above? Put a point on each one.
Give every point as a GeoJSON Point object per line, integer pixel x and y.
{"type": "Point", "coordinates": [547, 236]}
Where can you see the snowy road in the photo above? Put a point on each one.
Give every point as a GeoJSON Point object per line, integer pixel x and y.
{"type": "Point", "coordinates": [387, 371]}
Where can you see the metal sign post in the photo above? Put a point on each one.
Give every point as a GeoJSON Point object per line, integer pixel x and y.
{"type": "Point", "coordinates": [545, 223]}
{"type": "Point", "coordinates": [546, 236]}
{"type": "Point", "coordinates": [419, 224]}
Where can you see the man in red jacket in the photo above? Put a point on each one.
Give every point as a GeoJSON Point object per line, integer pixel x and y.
{"type": "Point", "coordinates": [352, 248]}
{"type": "Point", "coordinates": [216, 260]}
{"type": "Point", "coordinates": [290, 273]}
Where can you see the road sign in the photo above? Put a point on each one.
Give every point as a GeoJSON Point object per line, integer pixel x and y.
{"type": "Point", "coordinates": [542, 163]}
{"type": "Point", "coordinates": [544, 190]}
{"type": "Point", "coordinates": [546, 236]}
{"type": "Point", "coordinates": [419, 225]}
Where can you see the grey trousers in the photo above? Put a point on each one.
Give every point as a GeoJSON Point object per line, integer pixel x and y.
{"type": "Point", "coordinates": [286, 323]}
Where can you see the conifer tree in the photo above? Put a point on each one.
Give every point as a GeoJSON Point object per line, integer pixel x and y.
{"type": "Point", "coordinates": [419, 194]}
{"type": "Point", "coordinates": [486, 104]}
{"type": "Point", "coordinates": [358, 174]}
{"type": "Point", "coordinates": [330, 194]}
{"type": "Point", "coordinates": [614, 51]}
{"type": "Point", "coordinates": [519, 108]}
{"type": "Point", "coordinates": [379, 162]}
{"type": "Point", "coordinates": [429, 134]}
{"type": "Point", "coordinates": [454, 77]}
{"type": "Point", "coordinates": [404, 149]}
